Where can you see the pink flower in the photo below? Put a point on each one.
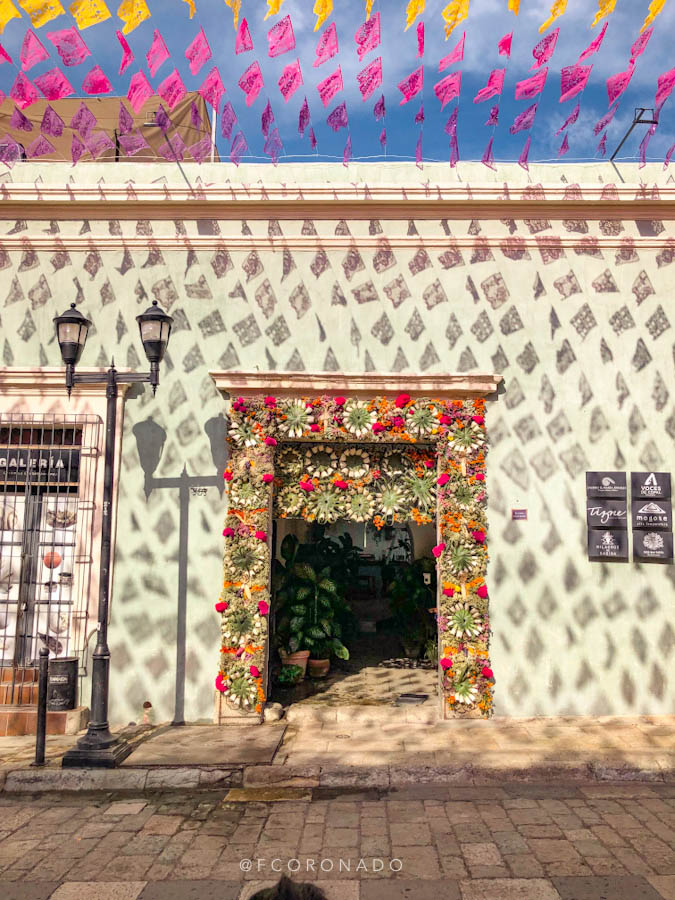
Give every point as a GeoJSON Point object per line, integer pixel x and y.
{"type": "Point", "coordinates": [270, 402]}
{"type": "Point", "coordinates": [429, 463]}
{"type": "Point", "coordinates": [270, 441]}
{"type": "Point", "coordinates": [378, 427]}
{"type": "Point", "coordinates": [340, 401]}
{"type": "Point", "coordinates": [315, 428]}
{"type": "Point", "coordinates": [443, 479]}
{"type": "Point", "coordinates": [308, 406]}
{"type": "Point", "coordinates": [397, 421]}
{"type": "Point", "coordinates": [446, 664]}
{"type": "Point", "coordinates": [448, 592]}
{"type": "Point", "coordinates": [402, 400]}
{"type": "Point", "coordinates": [239, 653]}
{"type": "Point", "coordinates": [438, 550]}
{"type": "Point", "coordinates": [376, 474]}
{"type": "Point", "coordinates": [479, 476]}
{"type": "Point", "coordinates": [482, 592]}
{"type": "Point", "coordinates": [478, 536]}
{"type": "Point", "coordinates": [268, 478]}
{"type": "Point", "coordinates": [342, 485]}
{"type": "Point", "coordinates": [221, 606]}
{"type": "Point", "coordinates": [228, 532]}
{"type": "Point", "coordinates": [487, 672]}
{"type": "Point", "coordinates": [307, 486]}
{"type": "Point", "coordinates": [479, 420]}
{"type": "Point", "coordinates": [263, 607]}
{"type": "Point", "coordinates": [255, 671]}
{"type": "Point", "coordinates": [228, 476]}
{"type": "Point", "coordinates": [446, 420]}
{"type": "Point", "coordinates": [261, 535]}
{"type": "Point", "coordinates": [220, 684]}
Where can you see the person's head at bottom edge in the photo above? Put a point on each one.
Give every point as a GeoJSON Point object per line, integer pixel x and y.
{"type": "Point", "coordinates": [289, 890]}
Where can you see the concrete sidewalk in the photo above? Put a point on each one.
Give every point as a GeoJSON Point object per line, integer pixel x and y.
{"type": "Point", "coordinates": [365, 747]}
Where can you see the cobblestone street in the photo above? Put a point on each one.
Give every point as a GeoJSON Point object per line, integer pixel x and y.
{"type": "Point", "coordinates": [531, 842]}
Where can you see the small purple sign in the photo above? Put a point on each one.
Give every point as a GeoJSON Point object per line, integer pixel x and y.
{"type": "Point", "coordinates": [519, 515]}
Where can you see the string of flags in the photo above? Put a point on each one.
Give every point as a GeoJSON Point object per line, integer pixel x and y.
{"type": "Point", "coordinates": [69, 45]}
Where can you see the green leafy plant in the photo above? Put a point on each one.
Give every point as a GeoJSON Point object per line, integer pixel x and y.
{"type": "Point", "coordinates": [289, 675]}
{"type": "Point", "coordinates": [309, 598]}
{"type": "Point", "coordinates": [431, 651]}
{"type": "Point", "coordinates": [410, 600]}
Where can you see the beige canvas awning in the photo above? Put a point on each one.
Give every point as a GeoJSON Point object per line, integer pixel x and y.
{"type": "Point", "coordinates": [106, 110]}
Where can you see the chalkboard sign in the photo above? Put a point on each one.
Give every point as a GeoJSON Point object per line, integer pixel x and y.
{"type": "Point", "coordinates": [650, 485]}
{"type": "Point", "coordinates": [610, 485]}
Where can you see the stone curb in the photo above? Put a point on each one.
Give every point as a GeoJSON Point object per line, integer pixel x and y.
{"type": "Point", "coordinates": [272, 777]}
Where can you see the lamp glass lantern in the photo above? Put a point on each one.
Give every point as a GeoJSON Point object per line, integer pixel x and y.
{"type": "Point", "coordinates": [155, 327]}
{"type": "Point", "coordinates": [72, 329]}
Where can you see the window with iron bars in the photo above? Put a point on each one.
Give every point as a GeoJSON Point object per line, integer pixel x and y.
{"type": "Point", "coordinates": [47, 480]}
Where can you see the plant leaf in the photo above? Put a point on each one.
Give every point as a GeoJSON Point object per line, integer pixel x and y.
{"type": "Point", "coordinates": [305, 572]}
{"type": "Point", "coordinates": [329, 586]}
{"type": "Point", "coordinates": [297, 623]}
{"type": "Point", "coordinates": [339, 649]}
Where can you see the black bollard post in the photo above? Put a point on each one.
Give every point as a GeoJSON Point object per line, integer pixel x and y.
{"type": "Point", "coordinates": [41, 730]}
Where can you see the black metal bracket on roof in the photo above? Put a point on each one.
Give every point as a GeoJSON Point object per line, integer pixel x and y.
{"type": "Point", "coordinates": [637, 120]}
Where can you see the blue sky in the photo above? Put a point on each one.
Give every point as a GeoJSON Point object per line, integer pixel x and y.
{"type": "Point", "coordinates": [488, 20]}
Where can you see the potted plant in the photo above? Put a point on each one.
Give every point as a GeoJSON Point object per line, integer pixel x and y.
{"type": "Point", "coordinates": [290, 675]}
{"type": "Point", "coordinates": [410, 599]}
{"type": "Point", "coordinates": [308, 599]}
{"type": "Point", "coordinates": [319, 661]}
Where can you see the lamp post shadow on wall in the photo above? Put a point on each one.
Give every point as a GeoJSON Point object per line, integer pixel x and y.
{"type": "Point", "coordinates": [98, 747]}
{"type": "Point", "coordinates": [150, 439]}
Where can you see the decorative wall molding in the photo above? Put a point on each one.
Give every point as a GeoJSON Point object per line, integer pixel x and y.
{"type": "Point", "coordinates": [312, 243]}
{"type": "Point", "coordinates": [222, 201]}
{"type": "Point", "coordinates": [302, 384]}
{"type": "Point", "coordinates": [50, 382]}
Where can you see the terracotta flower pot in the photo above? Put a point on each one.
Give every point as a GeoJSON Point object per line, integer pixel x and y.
{"type": "Point", "coordinates": [295, 659]}
{"type": "Point", "coordinates": [319, 668]}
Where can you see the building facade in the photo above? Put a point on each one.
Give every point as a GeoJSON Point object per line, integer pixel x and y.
{"type": "Point", "coordinates": [555, 286]}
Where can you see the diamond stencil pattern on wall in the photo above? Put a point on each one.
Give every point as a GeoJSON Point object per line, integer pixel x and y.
{"type": "Point", "coordinates": [576, 374]}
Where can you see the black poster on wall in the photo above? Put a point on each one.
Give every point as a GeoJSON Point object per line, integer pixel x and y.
{"type": "Point", "coordinates": [609, 485]}
{"type": "Point", "coordinates": [608, 544]}
{"type": "Point", "coordinates": [606, 513]}
{"type": "Point", "coordinates": [653, 546]}
{"type": "Point", "coordinates": [650, 485]}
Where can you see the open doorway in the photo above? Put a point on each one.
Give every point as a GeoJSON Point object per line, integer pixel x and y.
{"type": "Point", "coordinates": [363, 600]}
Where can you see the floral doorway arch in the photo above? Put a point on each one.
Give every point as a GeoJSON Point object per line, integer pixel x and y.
{"type": "Point", "coordinates": [320, 431]}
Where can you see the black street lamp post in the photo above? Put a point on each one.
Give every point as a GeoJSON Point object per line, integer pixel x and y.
{"type": "Point", "coordinates": [98, 747]}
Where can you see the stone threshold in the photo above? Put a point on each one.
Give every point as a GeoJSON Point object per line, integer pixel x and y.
{"type": "Point", "coordinates": [254, 782]}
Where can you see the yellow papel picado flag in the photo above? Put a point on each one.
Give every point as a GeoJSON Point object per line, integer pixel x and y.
{"type": "Point", "coordinates": [7, 12]}
{"type": "Point", "coordinates": [415, 8]}
{"type": "Point", "coordinates": [369, 8]}
{"type": "Point", "coordinates": [454, 13]}
{"type": "Point", "coordinates": [557, 10]}
{"type": "Point", "coordinates": [274, 7]}
{"type": "Point", "coordinates": [42, 11]}
{"type": "Point", "coordinates": [235, 6]}
{"type": "Point", "coordinates": [132, 13]}
{"type": "Point", "coordinates": [514, 6]}
{"type": "Point", "coordinates": [605, 7]}
{"type": "Point", "coordinates": [655, 7]}
{"type": "Point", "coordinates": [322, 9]}
{"type": "Point", "coordinates": [89, 12]}
{"type": "Point", "coordinates": [193, 8]}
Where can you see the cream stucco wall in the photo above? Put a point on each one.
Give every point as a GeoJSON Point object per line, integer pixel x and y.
{"type": "Point", "coordinates": [565, 289]}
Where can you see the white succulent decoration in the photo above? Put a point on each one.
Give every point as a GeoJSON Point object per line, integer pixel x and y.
{"type": "Point", "coordinates": [358, 419]}
{"type": "Point", "coordinates": [360, 506]}
{"type": "Point", "coordinates": [465, 692]}
{"type": "Point", "coordinates": [464, 621]}
{"type": "Point", "coordinates": [421, 420]}
{"type": "Point", "coordinates": [395, 462]}
{"type": "Point", "coordinates": [246, 495]}
{"type": "Point", "coordinates": [321, 460]}
{"type": "Point", "coordinates": [355, 462]}
{"type": "Point", "coordinates": [467, 439]}
{"type": "Point", "coordinates": [298, 419]}
{"type": "Point", "coordinates": [390, 500]}
{"type": "Point", "coordinates": [243, 433]}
